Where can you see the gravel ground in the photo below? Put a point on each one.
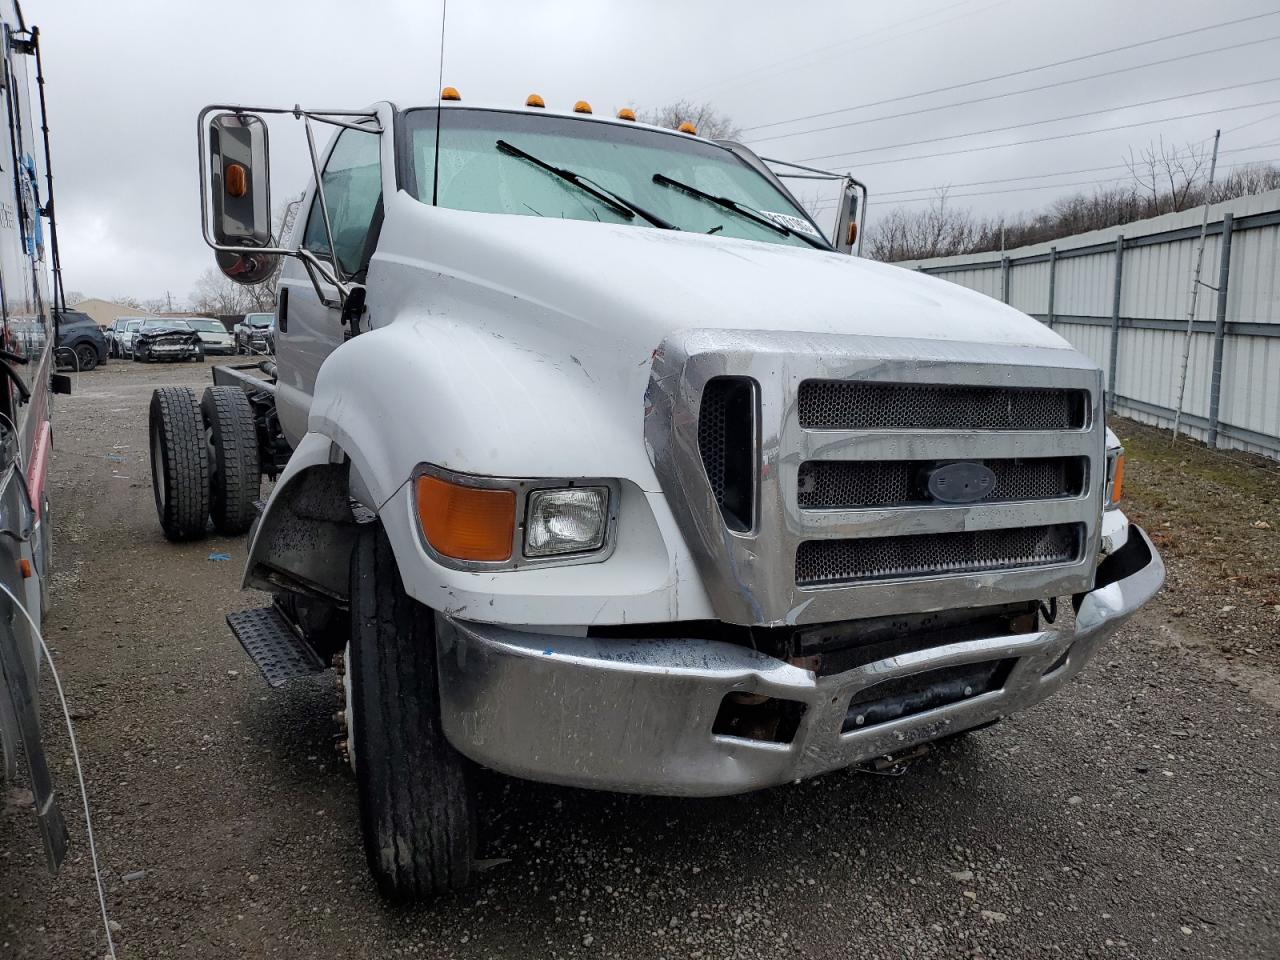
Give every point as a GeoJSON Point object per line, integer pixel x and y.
{"type": "Point", "coordinates": [1135, 815]}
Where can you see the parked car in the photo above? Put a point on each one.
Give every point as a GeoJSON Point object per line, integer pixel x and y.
{"type": "Point", "coordinates": [80, 343]}
{"type": "Point", "coordinates": [256, 333]}
{"type": "Point", "coordinates": [120, 336]}
{"type": "Point", "coordinates": [166, 340]}
{"type": "Point", "coordinates": [213, 334]}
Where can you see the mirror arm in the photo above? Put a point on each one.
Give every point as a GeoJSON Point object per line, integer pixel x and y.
{"type": "Point", "coordinates": [318, 270]}
{"type": "Point", "coordinates": [324, 206]}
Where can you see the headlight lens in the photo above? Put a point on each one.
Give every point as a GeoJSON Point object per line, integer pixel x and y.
{"type": "Point", "coordinates": [569, 520]}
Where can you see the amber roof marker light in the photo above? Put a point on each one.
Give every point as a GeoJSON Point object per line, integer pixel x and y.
{"type": "Point", "coordinates": [534, 100]}
{"type": "Point", "coordinates": [582, 107]}
{"type": "Point", "coordinates": [626, 113]}
{"type": "Point", "coordinates": [450, 93]}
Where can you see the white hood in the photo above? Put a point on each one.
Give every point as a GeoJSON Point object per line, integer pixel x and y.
{"type": "Point", "coordinates": [640, 284]}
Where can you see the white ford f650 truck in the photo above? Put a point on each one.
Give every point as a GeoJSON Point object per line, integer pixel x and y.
{"type": "Point", "coordinates": [598, 464]}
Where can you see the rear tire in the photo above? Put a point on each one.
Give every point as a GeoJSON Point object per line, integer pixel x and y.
{"type": "Point", "coordinates": [179, 463]}
{"type": "Point", "coordinates": [416, 811]}
{"type": "Point", "coordinates": [235, 479]}
{"type": "Point", "coordinates": [86, 357]}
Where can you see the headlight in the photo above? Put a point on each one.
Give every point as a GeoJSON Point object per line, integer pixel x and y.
{"type": "Point", "coordinates": [571, 520]}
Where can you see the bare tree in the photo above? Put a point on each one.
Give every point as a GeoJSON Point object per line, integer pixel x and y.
{"type": "Point", "coordinates": [706, 119]}
{"type": "Point", "coordinates": [1167, 176]}
{"type": "Point", "coordinates": [937, 231]}
{"type": "Point", "coordinates": [1162, 180]}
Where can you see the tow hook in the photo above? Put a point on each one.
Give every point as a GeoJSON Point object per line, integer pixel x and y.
{"type": "Point", "coordinates": [896, 764]}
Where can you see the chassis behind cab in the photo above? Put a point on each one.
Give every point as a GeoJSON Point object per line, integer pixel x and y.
{"type": "Point", "coordinates": [599, 464]}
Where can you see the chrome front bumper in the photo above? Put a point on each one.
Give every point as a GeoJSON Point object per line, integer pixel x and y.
{"type": "Point", "coordinates": [636, 715]}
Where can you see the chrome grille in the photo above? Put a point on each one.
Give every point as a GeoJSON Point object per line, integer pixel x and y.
{"type": "Point", "coordinates": [842, 484]}
{"type": "Point", "coordinates": [829, 562]}
{"type": "Point", "coordinates": [859, 405]}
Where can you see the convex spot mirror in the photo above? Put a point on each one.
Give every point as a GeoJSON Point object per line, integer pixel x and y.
{"type": "Point", "coordinates": [240, 194]}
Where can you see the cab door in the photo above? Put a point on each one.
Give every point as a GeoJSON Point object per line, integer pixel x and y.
{"type": "Point", "coordinates": [308, 329]}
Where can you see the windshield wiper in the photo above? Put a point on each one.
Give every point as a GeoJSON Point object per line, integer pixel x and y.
{"type": "Point", "coordinates": [610, 199]}
{"type": "Point", "coordinates": [741, 209]}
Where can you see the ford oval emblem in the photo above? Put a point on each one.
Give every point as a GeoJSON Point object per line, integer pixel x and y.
{"type": "Point", "coordinates": [961, 482]}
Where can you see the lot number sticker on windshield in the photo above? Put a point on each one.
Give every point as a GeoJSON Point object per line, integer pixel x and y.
{"type": "Point", "coordinates": [795, 223]}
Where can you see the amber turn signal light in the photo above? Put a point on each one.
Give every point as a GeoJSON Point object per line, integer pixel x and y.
{"type": "Point", "coordinates": [1117, 480]}
{"type": "Point", "coordinates": [237, 180]}
{"type": "Point", "coordinates": [466, 523]}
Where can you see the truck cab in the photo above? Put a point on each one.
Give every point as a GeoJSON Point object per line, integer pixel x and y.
{"type": "Point", "coordinates": [600, 464]}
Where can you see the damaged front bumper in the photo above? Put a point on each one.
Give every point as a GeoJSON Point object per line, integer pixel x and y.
{"type": "Point", "coordinates": [638, 715]}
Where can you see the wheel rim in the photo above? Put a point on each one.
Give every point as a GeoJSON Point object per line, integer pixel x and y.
{"type": "Point", "coordinates": [87, 357]}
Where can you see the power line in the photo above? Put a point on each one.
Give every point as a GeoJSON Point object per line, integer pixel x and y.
{"type": "Point", "coordinates": [883, 194]}
{"type": "Point", "coordinates": [814, 54]}
{"type": "Point", "coordinates": [888, 200]}
{"type": "Point", "coordinates": [1014, 93]}
{"type": "Point", "coordinates": [1040, 123]}
{"type": "Point", "coordinates": [1050, 186]}
{"type": "Point", "coordinates": [1058, 136]}
{"type": "Point", "coordinates": [1063, 173]}
{"type": "Point", "coordinates": [1018, 73]}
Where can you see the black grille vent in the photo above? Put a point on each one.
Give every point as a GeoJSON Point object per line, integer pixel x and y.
{"type": "Point", "coordinates": [837, 484]}
{"type": "Point", "coordinates": [827, 562]}
{"type": "Point", "coordinates": [726, 440]}
{"type": "Point", "coordinates": [858, 405]}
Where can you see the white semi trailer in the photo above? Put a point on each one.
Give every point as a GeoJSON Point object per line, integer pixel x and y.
{"type": "Point", "coordinates": [599, 464]}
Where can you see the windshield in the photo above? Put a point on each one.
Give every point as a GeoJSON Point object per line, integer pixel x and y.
{"type": "Point", "coordinates": [149, 326]}
{"type": "Point", "coordinates": [475, 174]}
{"type": "Point", "coordinates": [206, 326]}
{"type": "Point", "coordinates": [132, 324]}
{"type": "Point", "coordinates": [259, 319]}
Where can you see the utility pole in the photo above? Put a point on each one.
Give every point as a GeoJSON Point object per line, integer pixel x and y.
{"type": "Point", "coordinates": [169, 297]}
{"type": "Point", "coordinates": [1195, 290]}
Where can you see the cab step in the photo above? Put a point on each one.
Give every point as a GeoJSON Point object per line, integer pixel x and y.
{"type": "Point", "coordinates": [274, 646]}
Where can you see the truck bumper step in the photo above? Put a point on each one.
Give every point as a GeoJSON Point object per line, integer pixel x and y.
{"type": "Point", "coordinates": [273, 645]}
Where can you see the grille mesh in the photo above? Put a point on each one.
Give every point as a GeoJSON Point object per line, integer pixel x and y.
{"type": "Point", "coordinates": [823, 562]}
{"type": "Point", "coordinates": [725, 441]}
{"type": "Point", "coordinates": [890, 483]}
{"type": "Point", "coordinates": [858, 405]}
{"type": "Point", "coordinates": [711, 439]}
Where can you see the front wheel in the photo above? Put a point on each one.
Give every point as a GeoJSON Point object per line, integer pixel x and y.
{"type": "Point", "coordinates": [416, 810]}
{"type": "Point", "coordinates": [86, 357]}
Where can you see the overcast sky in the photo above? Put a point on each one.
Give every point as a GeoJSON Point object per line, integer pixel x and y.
{"type": "Point", "coordinates": [126, 79]}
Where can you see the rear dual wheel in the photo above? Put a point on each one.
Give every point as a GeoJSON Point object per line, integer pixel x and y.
{"type": "Point", "coordinates": [204, 461]}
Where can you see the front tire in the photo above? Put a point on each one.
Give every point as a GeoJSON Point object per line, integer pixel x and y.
{"type": "Point", "coordinates": [416, 810]}
{"type": "Point", "coordinates": [179, 463]}
{"type": "Point", "coordinates": [234, 476]}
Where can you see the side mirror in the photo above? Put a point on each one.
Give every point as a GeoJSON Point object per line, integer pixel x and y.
{"type": "Point", "coordinates": [239, 192]}
{"type": "Point", "coordinates": [846, 230]}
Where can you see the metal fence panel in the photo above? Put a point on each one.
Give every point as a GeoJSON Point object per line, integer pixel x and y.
{"type": "Point", "coordinates": [1146, 322]}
